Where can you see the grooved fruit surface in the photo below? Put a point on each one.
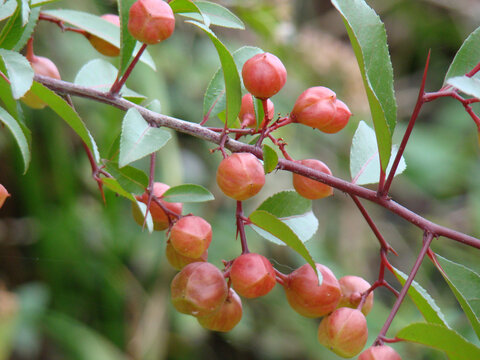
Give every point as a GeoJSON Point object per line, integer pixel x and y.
{"type": "Point", "coordinates": [382, 352]}
{"type": "Point", "coordinates": [352, 288]}
{"type": "Point", "coordinates": [227, 317]}
{"type": "Point", "coordinates": [191, 236]}
{"type": "Point", "coordinates": [312, 189]}
{"type": "Point", "coordinates": [252, 275]}
{"type": "Point", "coordinates": [264, 75]}
{"type": "Point", "coordinates": [151, 21]}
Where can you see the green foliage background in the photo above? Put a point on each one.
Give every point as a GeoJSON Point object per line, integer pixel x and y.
{"type": "Point", "coordinates": [91, 285]}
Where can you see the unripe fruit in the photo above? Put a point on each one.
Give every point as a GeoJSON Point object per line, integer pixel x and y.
{"type": "Point", "coordinates": [252, 275]}
{"type": "Point", "coordinates": [306, 297]}
{"type": "Point", "coordinates": [151, 21]}
{"type": "Point", "coordinates": [264, 75]}
{"type": "Point", "coordinates": [309, 188]}
{"type": "Point", "coordinates": [159, 217]}
{"type": "Point", "coordinates": [41, 66]}
{"type": "Point", "coordinates": [3, 195]}
{"type": "Point", "coordinates": [319, 108]}
{"type": "Point", "coordinates": [191, 236]}
{"type": "Point", "coordinates": [227, 317]}
{"type": "Point", "coordinates": [199, 289]}
{"type": "Point", "coordinates": [382, 352]}
{"type": "Point", "coordinates": [344, 332]}
{"type": "Point", "coordinates": [102, 46]}
{"type": "Point", "coordinates": [240, 176]}
{"type": "Point", "coordinates": [352, 288]}
{"type": "Point", "coordinates": [247, 111]}
{"type": "Point", "coordinates": [178, 261]}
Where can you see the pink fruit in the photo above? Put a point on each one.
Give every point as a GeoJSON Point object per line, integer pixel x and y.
{"type": "Point", "coordinates": [102, 46]}
{"type": "Point", "coordinates": [41, 66]}
{"type": "Point", "coordinates": [264, 75]}
{"type": "Point", "coordinates": [178, 261]}
{"type": "Point", "coordinates": [382, 352]}
{"type": "Point", "coordinates": [227, 317]}
{"type": "Point", "coordinates": [3, 195]}
{"type": "Point", "coordinates": [312, 189]}
{"type": "Point", "coordinates": [191, 236]}
{"type": "Point", "coordinates": [247, 111]}
{"type": "Point", "coordinates": [352, 288]}
{"type": "Point", "coordinates": [151, 21]}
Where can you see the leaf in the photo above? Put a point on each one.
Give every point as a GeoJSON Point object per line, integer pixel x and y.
{"type": "Point", "coordinates": [465, 284]}
{"type": "Point", "coordinates": [19, 72]}
{"type": "Point", "coordinates": [369, 41]}
{"type": "Point", "coordinates": [14, 34]}
{"type": "Point", "coordinates": [230, 73]}
{"type": "Point", "coordinates": [423, 301]}
{"type": "Point", "coordinates": [270, 159]}
{"type": "Point", "coordinates": [99, 74]}
{"type": "Point", "coordinates": [143, 209]}
{"type": "Point", "coordinates": [115, 186]}
{"type": "Point", "coordinates": [188, 6]}
{"type": "Point", "coordinates": [217, 14]}
{"type": "Point", "coordinates": [25, 11]}
{"type": "Point", "coordinates": [131, 179]}
{"type": "Point", "coordinates": [35, 3]}
{"type": "Point", "coordinates": [467, 56]}
{"type": "Point", "coordinates": [97, 26]}
{"type": "Point", "coordinates": [467, 85]}
{"type": "Point", "coordinates": [27, 30]}
{"type": "Point", "coordinates": [187, 193]}
{"type": "Point", "coordinates": [67, 113]}
{"type": "Point", "coordinates": [18, 135]}
{"type": "Point", "coordinates": [364, 164]}
{"type": "Point", "coordinates": [7, 9]}
{"type": "Point", "coordinates": [441, 338]}
{"type": "Point", "coordinates": [214, 100]}
{"type": "Point", "coordinates": [285, 204]}
{"type": "Point", "coordinates": [127, 41]}
{"type": "Point", "coordinates": [138, 138]}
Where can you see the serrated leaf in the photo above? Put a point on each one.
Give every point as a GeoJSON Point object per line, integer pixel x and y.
{"type": "Point", "coordinates": [25, 11]}
{"type": "Point", "coordinates": [97, 26]}
{"type": "Point", "coordinates": [115, 186]}
{"type": "Point", "coordinates": [187, 193]}
{"type": "Point", "coordinates": [441, 338]}
{"type": "Point", "coordinates": [18, 135]}
{"type": "Point", "coordinates": [270, 159]}
{"type": "Point", "coordinates": [423, 301]}
{"type": "Point", "coordinates": [467, 56]}
{"type": "Point", "coordinates": [467, 85]}
{"type": "Point", "coordinates": [214, 100]}
{"type": "Point", "coordinates": [14, 34]}
{"type": "Point", "coordinates": [364, 164]}
{"type": "Point", "coordinates": [7, 9]}
{"type": "Point", "coordinates": [131, 179]}
{"type": "Point", "coordinates": [143, 209]}
{"type": "Point", "coordinates": [465, 284]}
{"type": "Point", "coordinates": [100, 75]}
{"type": "Point", "coordinates": [67, 113]}
{"type": "Point", "coordinates": [19, 72]}
{"type": "Point", "coordinates": [27, 31]}
{"type": "Point", "coordinates": [6, 95]}
{"type": "Point", "coordinates": [138, 138]}
{"type": "Point", "coordinates": [369, 41]}
{"type": "Point", "coordinates": [285, 204]}
{"type": "Point", "coordinates": [217, 14]}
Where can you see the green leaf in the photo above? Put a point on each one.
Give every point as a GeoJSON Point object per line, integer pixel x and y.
{"type": "Point", "coordinates": [25, 11]}
{"type": "Point", "coordinates": [27, 30]}
{"type": "Point", "coordinates": [7, 9]}
{"type": "Point", "coordinates": [467, 56]}
{"type": "Point", "coordinates": [35, 3]}
{"type": "Point", "coordinates": [18, 135]}
{"type": "Point", "coordinates": [67, 113]}
{"type": "Point", "coordinates": [97, 26]}
{"type": "Point", "coordinates": [258, 107]}
{"type": "Point", "coordinates": [6, 95]}
{"type": "Point", "coordinates": [230, 73]}
{"type": "Point", "coordinates": [285, 204]}
{"type": "Point", "coordinates": [14, 34]}
{"type": "Point", "coordinates": [467, 85]}
{"type": "Point", "coordinates": [100, 75]}
{"type": "Point", "coordinates": [138, 138]}
{"type": "Point", "coordinates": [115, 186]}
{"type": "Point", "coordinates": [270, 159]}
{"type": "Point", "coordinates": [127, 41]}
{"type": "Point", "coordinates": [277, 228]}
{"type": "Point", "coordinates": [423, 301]}
{"type": "Point", "coordinates": [214, 100]}
{"type": "Point", "coordinates": [369, 41]}
{"type": "Point", "coordinates": [143, 209]}
{"type": "Point", "coordinates": [131, 179]}
{"type": "Point", "coordinates": [217, 14]}
{"type": "Point", "coordinates": [187, 193]}
{"type": "Point", "coordinates": [441, 338]}
{"type": "Point", "coordinates": [188, 6]}
{"type": "Point", "coordinates": [465, 284]}
{"type": "Point", "coordinates": [364, 164]}
{"type": "Point", "coordinates": [19, 72]}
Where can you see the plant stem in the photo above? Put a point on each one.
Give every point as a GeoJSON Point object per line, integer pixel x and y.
{"type": "Point", "coordinates": [150, 187]}
{"type": "Point", "coordinates": [241, 228]}
{"type": "Point", "coordinates": [264, 123]}
{"type": "Point", "coordinates": [117, 85]}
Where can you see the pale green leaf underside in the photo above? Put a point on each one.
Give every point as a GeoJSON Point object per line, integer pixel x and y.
{"type": "Point", "coordinates": [19, 72]}
{"type": "Point", "coordinates": [467, 85]}
{"type": "Point", "coordinates": [187, 193]}
{"type": "Point", "coordinates": [467, 56]}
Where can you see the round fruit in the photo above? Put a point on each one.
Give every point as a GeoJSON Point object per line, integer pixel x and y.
{"type": "Point", "coordinates": [191, 236]}
{"type": "Point", "coordinates": [41, 66]}
{"type": "Point", "coordinates": [179, 261]}
{"type": "Point", "coordinates": [309, 188]}
{"type": "Point", "coordinates": [227, 317]}
{"type": "Point", "coordinates": [199, 289]}
{"type": "Point", "coordinates": [3, 195]}
{"type": "Point", "coordinates": [102, 46]}
{"type": "Point", "coordinates": [252, 275]}
{"type": "Point", "coordinates": [264, 75]}
{"type": "Point", "coordinates": [240, 176]}
{"type": "Point", "coordinates": [151, 21]}
{"type": "Point", "coordinates": [352, 288]}
{"type": "Point", "coordinates": [382, 352]}
{"type": "Point", "coordinates": [247, 111]}
{"type": "Point", "coordinates": [344, 332]}
{"type": "Point", "coordinates": [319, 108]}
{"type": "Point", "coordinates": [306, 297]}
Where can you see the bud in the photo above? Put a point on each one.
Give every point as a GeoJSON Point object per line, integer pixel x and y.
{"type": "Point", "coordinates": [352, 288]}
{"type": "Point", "coordinates": [102, 46]}
{"type": "Point", "coordinates": [382, 352]}
{"type": "Point", "coordinates": [309, 188]}
{"type": "Point", "coordinates": [264, 75]}
{"type": "Point", "coordinates": [227, 317]}
{"type": "Point", "coordinates": [151, 21]}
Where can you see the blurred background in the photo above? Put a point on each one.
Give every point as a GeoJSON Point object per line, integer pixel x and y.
{"type": "Point", "coordinates": [79, 278]}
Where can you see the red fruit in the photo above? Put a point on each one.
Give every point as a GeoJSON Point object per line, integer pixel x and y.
{"type": "Point", "coordinates": [312, 189]}
{"type": "Point", "coordinates": [227, 317]}
{"type": "Point", "coordinates": [3, 195]}
{"type": "Point", "coordinates": [247, 111]}
{"type": "Point", "coordinates": [41, 66]}
{"type": "Point", "coordinates": [264, 75]}
{"type": "Point", "coordinates": [103, 47]}
{"type": "Point", "coordinates": [252, 275]}
{"type": "Point", "coordinates": [151, 21]}
{"type": "Point", "coordinates": [199, 289]}
{"type": "Point", "coordinates": [352, 288]}
{"type": "Point", "coordinates": [191, 236]}
{"type": "Point", "coordinates": [179, 261]}
{"type": "Point", "coordinates": [319, 108]}
{"type": "Point", "coordinates": [306, 297]}
{"type": "Point", "coordinates": [382, 352]}
{"type": "Point", "coordinates": [240, 176]}
{"type": "Point", "coordinates": [344, 332]}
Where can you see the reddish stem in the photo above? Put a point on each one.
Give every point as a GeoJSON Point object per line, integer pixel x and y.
{"type": "Point", "coordinates": [59, 23]}
{"type": "Point", "coordinates": [150, 187]}
{"type": "Point", "coordinates": [117, 85]}
{"type": "Point", "coordinates": [241, 228]}
{"type": "Point", "coordinates": [4, 77]}
{"type": "Point", "coordinates": [264, 123]}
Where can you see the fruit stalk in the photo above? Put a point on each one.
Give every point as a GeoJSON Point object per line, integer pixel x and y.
{"type": "Point", "coordinates": [120, 81]}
